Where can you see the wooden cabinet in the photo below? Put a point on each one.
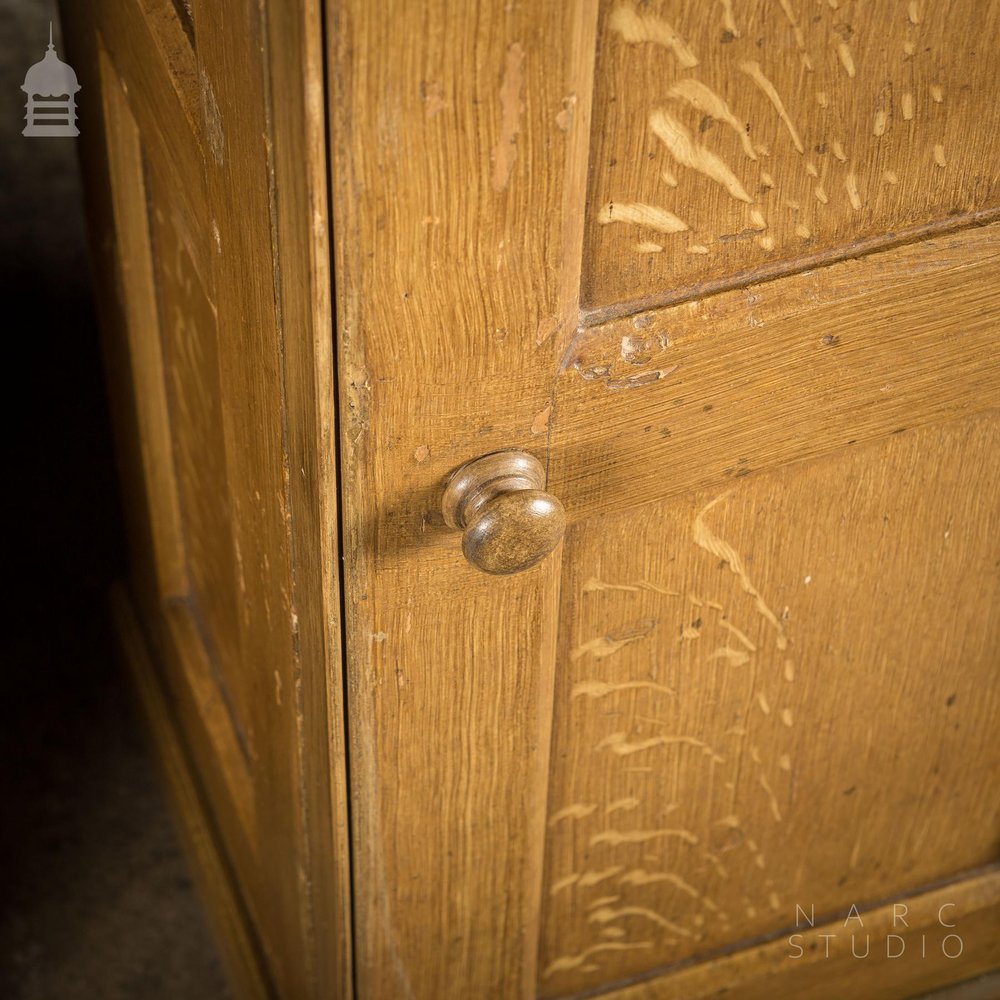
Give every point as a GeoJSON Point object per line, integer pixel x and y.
{"type": "Point", "coordinates": [730, 272]}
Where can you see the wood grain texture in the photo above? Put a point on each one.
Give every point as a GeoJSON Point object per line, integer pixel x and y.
{"type": "Point", "coordinates": [773, 621]}
{"type": "Point", "coordinates": [296, 116]}
{"type": "Point", "coordinates": [831, 970]}
{"type": "Point", "coordinates": [146, 383]}
{"type": "Point", "coordinates": [226, 149]}
{"type": "Point", "coordinates": [210, 860]}
{"type": "Point", "coordinates": [708, 391]}
{"type": "Point", "coordinates": [190, 352]}
{"type": "Point", "coordinates": [767, 666]}
{"type": "Point", "coordinates": [753, 135]}
{"type": "Point", "coordinates": [455, 176]}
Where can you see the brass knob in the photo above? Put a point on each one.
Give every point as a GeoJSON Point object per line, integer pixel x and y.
{"type": "Point", "coordinates": [509, 522]}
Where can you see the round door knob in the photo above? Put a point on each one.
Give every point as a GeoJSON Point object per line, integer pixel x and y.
{"type": "Point", "coordinates": [509, 522]}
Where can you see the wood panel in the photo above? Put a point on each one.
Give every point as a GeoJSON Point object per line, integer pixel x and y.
{"type": "Point", "coordinates": [456, 130]}
{"type": "Point", "coordinates": [160, 557]}
{"type": "Point", "coordinates": [759, 136]}
{"type": "Point", "coordinates": [250, 644]}
{"type": "Point", "coordinates": [803, 658]}
{"type": "Point", "coordinates": [217, 880]}
{"type": "Point", "coordinates": [907, 948]}
{"type": "Point", "coordinates": [708, 391]}
{"type": "Point", "coordinates": [191, 361]}
{"type": "Point", "coordinates": [296, 116]}
{"type": "Point", "coordinates": [139, 305]}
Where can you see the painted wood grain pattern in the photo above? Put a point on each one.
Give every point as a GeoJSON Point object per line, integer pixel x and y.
{"type": "Point", "coordinates": [227, 124]}
{"type": "Point", "coordinates": [189, 348]}
{"type": "Point", "coordinates": [455, 180]}
{"type": "Point", "coordinates": [139, 380]}
{"type": "Point", "coordinates": [705, 392]}
{"type": "Point", "coordinates": [801, 658]}
{"type": "Point", "coordinates": [247, 278]}
{"type": "Point", "coordinates": [195, 815]}
{"type": "Point", "coordinates": [767, 598]}
{"type": "Point", "coordinates": [296, 118]}
{"type": "Point", "coordinates": [156, 528]}
{"type": "Point", "coordinates": [778, 131]}
{"type": "Point", "coordinates": [830, 971]}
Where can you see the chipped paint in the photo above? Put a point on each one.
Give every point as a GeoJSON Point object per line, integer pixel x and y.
{"type": "Point", "coordinates": [564, 119]}
{"type": "Point", "coordinates": [541, 422]}
{"type": "Point", "coordinates": [511, 108]}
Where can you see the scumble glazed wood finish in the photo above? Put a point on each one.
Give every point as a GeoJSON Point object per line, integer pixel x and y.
{"type": "Point", "coordinates": [744, 136]}
{"type": "Point", "coordinates": [203, 142]}
{"type": "Point", "coordinates": [704, 392]}
{"type": "Point", "coordinates": [457, 185]}
{"type": "Point", "coordinates": [459, 167]}
{"type": "Point", "coordinates": [729, 272]}
{"type": "Point", "coordinates": [757, 705]}
{"type": "Point", "coordinates": [909, 947]}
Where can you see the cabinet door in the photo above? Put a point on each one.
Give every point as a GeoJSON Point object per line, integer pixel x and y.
{"type": "Point", "coordinates": [216, 304]}
{"type": "Point", "coordinates": [730, 271]}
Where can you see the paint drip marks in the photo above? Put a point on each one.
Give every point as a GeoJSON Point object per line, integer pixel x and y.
{"type": "Point", "coordinates": [511, 108]}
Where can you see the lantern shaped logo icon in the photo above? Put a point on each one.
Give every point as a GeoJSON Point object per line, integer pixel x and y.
{"type": "Point", "coordinates": [51, 87]}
